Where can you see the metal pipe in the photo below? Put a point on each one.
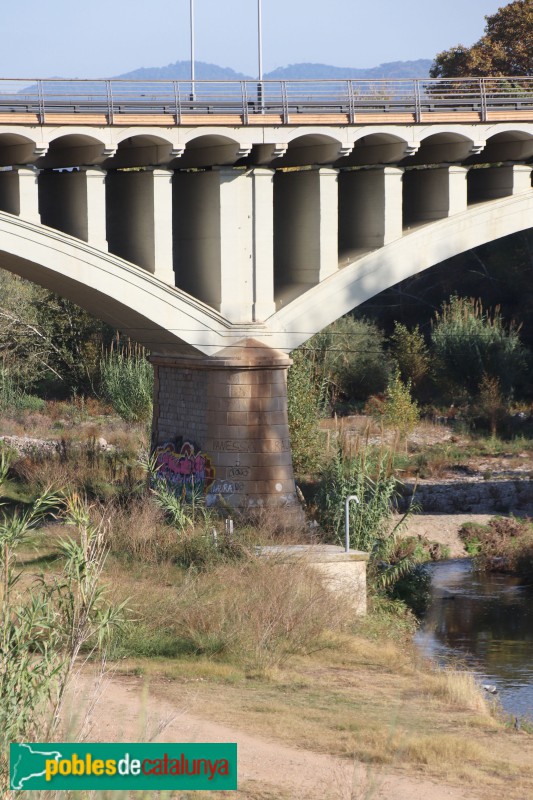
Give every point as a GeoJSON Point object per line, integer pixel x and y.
{"type": "Point", "coordinates": [347, 520]}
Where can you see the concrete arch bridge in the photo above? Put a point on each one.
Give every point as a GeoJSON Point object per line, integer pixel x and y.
{"type": "Point", "coordinates": [222, 236]}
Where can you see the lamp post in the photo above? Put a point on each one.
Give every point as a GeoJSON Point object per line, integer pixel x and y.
{"type": "Point", "coordinates": [260, 54]}
{"type": "Point", "coordinates": [191, 15]}
{"type": "Point", "coordinates": [259, 40]}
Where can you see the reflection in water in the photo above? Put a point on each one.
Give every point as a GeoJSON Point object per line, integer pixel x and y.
{"type": "Point", "coordinates": [484, 621]}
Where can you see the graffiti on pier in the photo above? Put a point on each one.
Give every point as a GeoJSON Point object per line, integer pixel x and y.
{"type": "Point", "coordinates": [184, 467]}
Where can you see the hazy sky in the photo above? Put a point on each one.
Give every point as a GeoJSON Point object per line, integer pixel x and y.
{"type": "Point", "coordinates": [101, 38]}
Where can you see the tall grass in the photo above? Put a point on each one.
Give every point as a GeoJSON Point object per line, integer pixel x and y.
{"type": "Point", "coordinates": [127, 381]}
{"type": "Point", "coordinates": [44, 628]}
{"type": "Point", "coordinates": [369, 475]}
{"type": "Point", "coordinates": [13, 397]}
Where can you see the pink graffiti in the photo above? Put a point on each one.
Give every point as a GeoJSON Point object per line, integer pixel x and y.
{"type": "Point", "coordinates": [184, 467]}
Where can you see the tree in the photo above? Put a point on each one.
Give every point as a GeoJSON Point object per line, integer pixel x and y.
{"type": "Point", "coordinates": [349, 359]}
{"type": "Point", "coordinates": [470, 342]}
{"type": "Point", "coordinates": [506, 48]}
{"type": "Point", "coordinates": [411, 353]}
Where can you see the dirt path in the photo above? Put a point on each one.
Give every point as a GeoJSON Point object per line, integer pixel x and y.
{"type": "Point", "coordinates": [266, 768]}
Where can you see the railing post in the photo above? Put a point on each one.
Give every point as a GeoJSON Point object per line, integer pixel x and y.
{"type": "Point", "coordinates": [418, 109]}
{"type": "Point", "coordinates": [110, 114]}
{"type": "Point", "coordinates": [483, 94]}
{"type": "Point", "coordinates": [40, 94]}
{"type": "Point", "coordinates": [351, 103]}
{"type": "Point", "coordinates": [285, 102]}
{"type": "Point", "coordinates": [177, 101]}
{"type": "Point", "coordinates": [244, 95]}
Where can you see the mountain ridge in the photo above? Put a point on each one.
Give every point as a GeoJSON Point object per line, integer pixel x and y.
{"type": "Point", "coordinates": [181, 70]}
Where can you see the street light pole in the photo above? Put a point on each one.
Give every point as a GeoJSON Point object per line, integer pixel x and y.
{"type": "Point", "coordinates": [191, 14]}
{"type": "Point", "coordinates": [260, 54]}
{"type": "Point", "coordinates": [259, 40]}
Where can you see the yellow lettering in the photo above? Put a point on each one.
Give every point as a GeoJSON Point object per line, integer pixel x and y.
{"type": "Point", "coordinates": [98, 766]}
{"type": "Point", "coordinates": [110, 766]}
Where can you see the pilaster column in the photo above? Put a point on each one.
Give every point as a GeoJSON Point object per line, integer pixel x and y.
{"type": "Point", "coordinates": [232, 411]}
{"type": "Point", "coordinates": [19, 192]}
{"type": "Point", "coordinates": [370, 207]}
{"type": "Point", "coordinates": [162, 216]}
{"type": "Point", "coordinates": [306, 225]}
{"type": "Point", "coordinates": [431, 194]}
{"type": "Point", "coordinates": [96, 211]}
{"type": "Point", "coordinates": [263, 243]}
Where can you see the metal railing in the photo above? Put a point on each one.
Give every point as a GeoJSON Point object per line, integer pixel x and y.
{"type": "Point", "coordinates": [116, 99]}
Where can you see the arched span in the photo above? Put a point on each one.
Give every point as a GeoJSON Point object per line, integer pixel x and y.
{"type": "Point", "coordinates": [409, 255]}
{"type": "Point", "coordinates": [161, 317]}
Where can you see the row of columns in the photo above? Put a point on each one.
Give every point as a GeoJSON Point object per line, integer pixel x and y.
{"type": "Point", "coordinates": [233, 238]}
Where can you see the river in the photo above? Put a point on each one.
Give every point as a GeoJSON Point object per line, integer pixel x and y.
{"type": "Point", "coordinates": [484, 622]}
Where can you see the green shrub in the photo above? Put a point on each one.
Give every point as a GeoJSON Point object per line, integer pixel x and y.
{"type": "Point", "coordinates": [349, 358]}
{"type": "Point", "coordinates": [127, 380]}
{"type": "Point", "coordinates": [399, 410]}
{"type": "Point", "coordinates": [471, 342]}
{"type": "Point", "coordinates": [411, 353]}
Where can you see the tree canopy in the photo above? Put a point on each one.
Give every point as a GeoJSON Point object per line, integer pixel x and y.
{"type": "Point", "coordinates": [506, 47]}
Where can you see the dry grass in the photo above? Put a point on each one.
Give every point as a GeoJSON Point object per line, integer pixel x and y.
{"type": "Point", "coordinates": [254, 614]}
{"type": "Point", "coordinates": [459, 689]}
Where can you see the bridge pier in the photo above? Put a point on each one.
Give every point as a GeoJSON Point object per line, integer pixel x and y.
{"type": "Point", "coordinates": [232, 410]}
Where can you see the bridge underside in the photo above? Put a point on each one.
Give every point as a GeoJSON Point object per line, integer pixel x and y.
{"type": "Point", "coordinates": [223, 248]}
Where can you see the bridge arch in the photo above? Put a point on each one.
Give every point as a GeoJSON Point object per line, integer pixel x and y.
{"type": "Point", "coordinates": [213, 148]}
{"type": "Point", "coordinates": [414, 252]}
{"type": "Point", "coordinates": [162, 318]}
{"type": "Point", "coordinates": [141, 148]}
{"type": "Point", "coordinates": [378, 147]}
{"type": "Point", "coordinates": [71, 148]}
{"type": "Point", "coordinates": [16, 148]}
{"type": "Point", "coordinates": [513, 144]}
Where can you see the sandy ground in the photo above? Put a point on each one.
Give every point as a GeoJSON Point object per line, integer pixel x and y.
{"type": "Point", "coordinates": [264, 766]}
{"type": "Point", "coordinates": [443, 528]}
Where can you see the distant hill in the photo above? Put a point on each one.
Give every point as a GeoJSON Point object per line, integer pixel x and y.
{"type": "Point", "coordinates": [181, 70]}
{"type": "Point", "coordinates": [392, 69]}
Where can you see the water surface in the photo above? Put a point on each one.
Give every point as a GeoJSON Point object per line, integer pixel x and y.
{"type": "Point", "coordinates": [484, 621]}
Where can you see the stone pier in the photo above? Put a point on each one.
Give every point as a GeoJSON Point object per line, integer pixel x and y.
{"type": "Point", "coordinates": [224, 420]}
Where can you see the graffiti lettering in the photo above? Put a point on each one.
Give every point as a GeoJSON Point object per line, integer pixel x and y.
{"type": "Point", "coordinates": [239, 472]}
{"type": "Point", "coordinates": [184, 469]}
{"type": "Point", "coordinates": [250, 445]}
{"type": "Point", "coordinates": [226, 487]}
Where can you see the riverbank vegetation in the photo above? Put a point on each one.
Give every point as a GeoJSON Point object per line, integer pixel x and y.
{"type": "Point", "coordinates": [267, 648]}
{"type": "Point", "coordinates": [505, 544]}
